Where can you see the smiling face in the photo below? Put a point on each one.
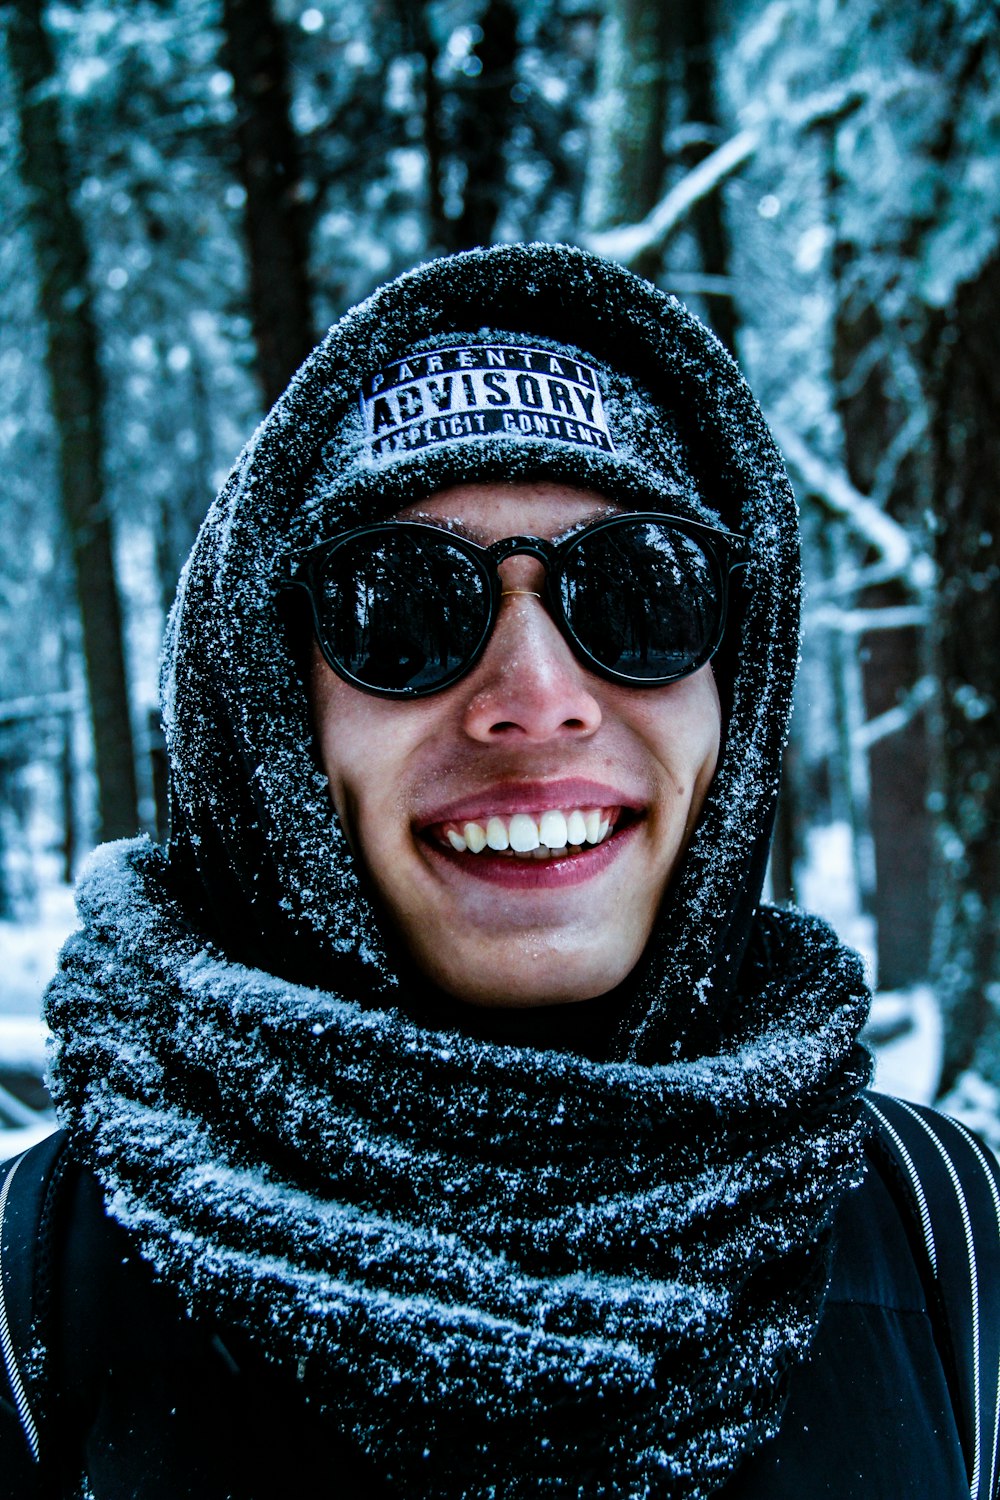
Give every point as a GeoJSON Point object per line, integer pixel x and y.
{"type": "Point", "coordinates": [445, 798]}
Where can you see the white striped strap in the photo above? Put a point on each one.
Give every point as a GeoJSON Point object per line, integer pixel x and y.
{"type": "Point", "coordinates": [11, 1345]}
{"type": "Point", "coordinates": [953, 1185]}
{"type": "Point", "coordinates": [28, 1190]}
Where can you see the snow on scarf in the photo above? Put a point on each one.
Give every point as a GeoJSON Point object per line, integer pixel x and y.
{"type": "Point", "coordinates": [507, 1272]}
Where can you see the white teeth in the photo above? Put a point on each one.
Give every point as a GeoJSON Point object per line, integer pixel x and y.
{"type": "Point", "coordinates": [551, 833]}
{"type": "Point", "coordinates": [576, 828]}
{"type": "Point", "coordinates": [475, 837]}
{"type": "Point", "coordinates": [496, 834]}
{"type": "Point", "coordinates": [523, 834]}
{"type": "Point", "coordinates": [552, 830]}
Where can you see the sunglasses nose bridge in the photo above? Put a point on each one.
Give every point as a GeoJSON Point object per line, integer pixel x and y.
{"type": "Point", "coordinates": [520, 578]}
{"type": "Point", "coordinates": [521, 546]}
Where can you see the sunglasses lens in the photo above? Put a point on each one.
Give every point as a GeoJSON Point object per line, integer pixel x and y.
{"type": "Point", "coordinates": [643, 599]}
{"type": "Point", "coordinates": [401, 612]}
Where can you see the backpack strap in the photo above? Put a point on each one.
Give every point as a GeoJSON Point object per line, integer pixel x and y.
{"type": "Point", "coordinates": [29, 1187]}
{"type": "Point", "coordinates": [950, 1185]}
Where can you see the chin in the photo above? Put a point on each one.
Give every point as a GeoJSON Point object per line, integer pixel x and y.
{"type": "Point", "coordinates": [528, 990]}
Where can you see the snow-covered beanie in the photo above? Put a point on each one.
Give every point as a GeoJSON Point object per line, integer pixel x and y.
{"type": "Point", "coordinates": [501, 1271]}
{"type": "Point", "coordinates": [492, 405]}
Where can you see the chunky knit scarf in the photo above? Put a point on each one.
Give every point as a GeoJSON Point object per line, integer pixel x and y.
{"type": "Point", "coordinates": [508, 1272]}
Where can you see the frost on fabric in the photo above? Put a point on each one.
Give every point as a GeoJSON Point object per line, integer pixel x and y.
{"type": "Point", "coordinates": [553, 1234]}
{"type": "Point", "coordinates": [466, 1251]}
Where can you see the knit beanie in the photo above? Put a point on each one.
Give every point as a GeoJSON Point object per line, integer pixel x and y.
{"type": "Point", "coordinates": [497, 406]}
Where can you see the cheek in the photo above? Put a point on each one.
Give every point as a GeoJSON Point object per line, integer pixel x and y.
{"type": "Point", "coordinates": [325, 718]}
{"type": "Point", "coordinates": [706, 742]}
{"type": "Point", "coordinates": [682, 727]}
{"type": "Point", "coordinates": [350, 743]}
{"type": "Point", "coordinates": [368, 748]}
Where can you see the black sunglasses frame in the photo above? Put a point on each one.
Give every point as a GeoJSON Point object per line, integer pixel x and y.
{"type": "Point", "coordinates": [727, 550]}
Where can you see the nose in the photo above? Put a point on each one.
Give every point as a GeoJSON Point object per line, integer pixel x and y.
{"type": "Point", "coordinates": [528, 684]}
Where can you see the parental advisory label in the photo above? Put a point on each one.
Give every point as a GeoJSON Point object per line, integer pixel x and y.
{"type": "Point", "coordinates": [464, 391]}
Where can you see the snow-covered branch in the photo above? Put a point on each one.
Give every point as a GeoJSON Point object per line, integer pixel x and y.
{"type": "Point", "coordinates": [896, 718]}
{"type": "Point", "coordinates": [861, 621]}
{"type": "Point", "coordinates": [13, 1112]}
{"type": "Point", "coordinates": [699, 284]}
{"type": "Point", "coordinates": [626, 242]}
{"type": "Point", "coordinates": [833, 489]}
{"type": "Point", "coordinates": [850, 580]}
{"type": "Point", "coordinates": [39, 707]}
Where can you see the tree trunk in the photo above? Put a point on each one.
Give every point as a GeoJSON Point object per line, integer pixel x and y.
{"type": "Point", "coordinates": [890, 660]}
{"type": "Point", "coordinates": [966, 390]}
{"type": "Point", "coordinates": [271, 175]}
{"type": "Point", "coordinates": [899, 770]}
{"type": "Point", "coordinates": [77, 395]}
{"type": "Point", "coordinates": [182, 509]}
{"type": "Point", "coordinates": [466, 126]}
{"type": "Point", "coordinates": [438, 226]}
{"type": "Point", "coordinates": [69, 818]}
{"type": "Point", "coordinates": [483, 126]}
{"type": "Point", "coordinates": [708, 216]}
{"type": "Point", "coordinates": [67, 800]}
{"type": "Point", "coordinates": [626, 161]}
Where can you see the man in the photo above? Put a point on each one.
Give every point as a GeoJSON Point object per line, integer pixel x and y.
{"type": "Point", "coordinates": [445, 1115]}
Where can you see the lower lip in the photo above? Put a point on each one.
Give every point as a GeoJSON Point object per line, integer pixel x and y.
{"type": "Point", "coordinates": [537, 874]}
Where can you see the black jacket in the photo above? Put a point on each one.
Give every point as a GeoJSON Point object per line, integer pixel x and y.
{"type": "Point", "coordinates": [155, 1407]}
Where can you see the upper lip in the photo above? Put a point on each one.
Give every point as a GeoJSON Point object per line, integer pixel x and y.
{"type": "Point", "coordinates": [508, 797]}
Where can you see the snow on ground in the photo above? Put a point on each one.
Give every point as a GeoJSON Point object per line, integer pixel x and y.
{"type": "Point", "coordinates": [18, 1139]}
{"type": "Point", "coordinates": [908, 1061]}
{"type": "Point", "coordinates": [826, 886]}
{"type": "Point", "coordinates": [28, 953]}
{"type": "Point", "coordinates": [905, 1028]}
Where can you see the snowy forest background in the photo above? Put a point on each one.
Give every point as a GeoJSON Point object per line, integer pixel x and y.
{"type": "Point", "coordinates": [191, 192]}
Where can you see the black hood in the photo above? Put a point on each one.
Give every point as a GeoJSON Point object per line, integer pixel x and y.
{"type": "Point", "coordinates": [257, 855]}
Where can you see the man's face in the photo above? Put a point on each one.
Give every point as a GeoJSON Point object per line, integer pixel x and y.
{"type": "Point", "coordinates": [528, 734]}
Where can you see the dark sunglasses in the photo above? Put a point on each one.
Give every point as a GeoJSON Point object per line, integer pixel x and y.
{"type": "Point", "coordinates": [403, 609]}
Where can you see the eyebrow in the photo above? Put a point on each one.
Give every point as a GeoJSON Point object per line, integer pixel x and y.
{"type": "Point", "coordinates": [476, 533]}
{"type": "Point", "coordinates": [447, 523]}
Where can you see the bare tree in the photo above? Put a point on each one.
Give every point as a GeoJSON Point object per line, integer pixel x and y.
{"type": "Point", "coordinates": [626, 163]}
{"type": "Point", "coordinates": [877, 406]}
{"type": "Point", "coordinates": [271, 175]}
{"type": "Point", "coordinates": [467, 114]}
{"type": "Point", "coordinates": [696, 25]}
{"type": "Point", "coordinates": [482, 125]}
{"type": "Point", "coordinates": [966, 452]}
{"type": "Point", "coordinates": [77, 396]}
